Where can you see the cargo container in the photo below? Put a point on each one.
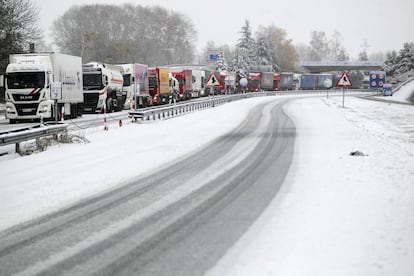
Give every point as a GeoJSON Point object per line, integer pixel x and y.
{"type": "Point", "coordinates": [325, 81]}
{"type": "Point", "coordinates": [136, 86]}
{"type": "Point", "coordinates": [308, 81]}
{"type": "Point", "coordinates": [267, 80]}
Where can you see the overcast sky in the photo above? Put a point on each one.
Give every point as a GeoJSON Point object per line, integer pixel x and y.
{"type": "Point", "coordinates": [385, 24]}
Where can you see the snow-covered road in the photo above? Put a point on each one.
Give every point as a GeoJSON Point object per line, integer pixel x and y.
{"type": "Point", "coordinates": [335, 215]}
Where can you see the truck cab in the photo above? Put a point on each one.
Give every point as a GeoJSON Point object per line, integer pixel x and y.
{"type": "Point", "coordinates": [102, 87]}
{"type": "Point", "coordinates": [28, 86]}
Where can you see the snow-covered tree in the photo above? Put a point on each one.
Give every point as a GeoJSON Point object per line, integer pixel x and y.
{"type": "Point", "coordinates": [401, 62]}
{"type": "Point", "coordinates": [221, 64]}
{"type": "Point", "coordinates": [263, 52]}
{"type": "Point", "coordinates": [280, 50]}
{"type": "Point", "coordinates": [245, 49]}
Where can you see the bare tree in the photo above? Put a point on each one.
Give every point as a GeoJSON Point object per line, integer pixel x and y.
{"type": "Point", "coordinates": [18, 28]}
{"type": "Point", "coordinates": [127, 34]}
{"type": "Point", "coordinates": [319, 46]}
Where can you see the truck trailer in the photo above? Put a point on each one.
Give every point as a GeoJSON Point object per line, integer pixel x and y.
{"type": "Point", "coordinates": [185, 79]}
{"type": "Point", "coordinates": [29, 79]}
{"type": "Point", "coordinates": [267, 81]}
{"type": "Point", "coordinates": [136, 85]}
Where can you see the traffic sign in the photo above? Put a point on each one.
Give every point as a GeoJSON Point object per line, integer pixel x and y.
{"type": "Point", "coordinates": [212, 80]}
{"type": "Point", "coordinates": [214, 57]}
{"type": "Point", "coordinates": [56, 91]}
{"type": "Point", "coordinates": [344, 80]}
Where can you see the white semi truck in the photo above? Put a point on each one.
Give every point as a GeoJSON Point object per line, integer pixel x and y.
{"type": "Point", "coordinates": [102, 87]}
{"type": "Point", "coordinates": [29, 79]}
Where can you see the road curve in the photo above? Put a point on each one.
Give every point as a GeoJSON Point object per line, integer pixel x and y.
{"type": "Point", "coordinates": [177, 221]}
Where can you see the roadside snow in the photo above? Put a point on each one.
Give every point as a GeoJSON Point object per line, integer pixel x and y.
{"type": "Point", "coordinates": [338, 214]}
{"type": "Point", "coordinates": [403, 94]}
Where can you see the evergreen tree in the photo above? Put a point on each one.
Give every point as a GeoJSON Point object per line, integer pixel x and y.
{"type": "Point", "coordinates": [263, 56]}
{"type": "Point", "coordinates": [221, 64]}
{"type": "Point", "coordinates": [401, 62]}
{"type": "Point", "coordinates": [245, 49]}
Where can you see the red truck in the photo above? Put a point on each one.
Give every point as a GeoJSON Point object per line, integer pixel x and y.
{"type": "Point", "coordinates": [276, 81]}
{"type": "Point", "coordinates": [185, 80]}
{"type": "Point", "coordinates": [254, 81]}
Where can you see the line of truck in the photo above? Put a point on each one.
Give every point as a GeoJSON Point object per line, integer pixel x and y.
{"type": "Point", "coordinates": [92, 87]}
{"type": "Point", "coordinates": [99, 87]}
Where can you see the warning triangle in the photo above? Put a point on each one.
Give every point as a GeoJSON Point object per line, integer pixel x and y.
{"type": "Point", "coordinates": [212, 80]}
{"type": "Point", "coordinates": [344, 80]}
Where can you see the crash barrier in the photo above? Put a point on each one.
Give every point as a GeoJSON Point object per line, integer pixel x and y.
{"type": "Point", "coordinates": [165, 111]}
{"type": "Point", "coordinates": [182, 108]}
{"type": "Point", "coordinates": [16, 136]}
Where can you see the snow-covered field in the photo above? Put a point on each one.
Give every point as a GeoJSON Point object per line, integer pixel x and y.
{"type": "Point", "coordinates": [336, 214]}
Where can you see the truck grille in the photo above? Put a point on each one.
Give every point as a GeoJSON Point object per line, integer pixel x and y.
{"type": "Point", "coordinates": [26, 109]}
{"type": "Point", "coordinates": [90, 101]}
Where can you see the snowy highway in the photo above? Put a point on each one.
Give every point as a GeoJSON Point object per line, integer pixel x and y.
{"type": "Point", "coordinates": [252, 187]}
{"type": "Point", "coordinates": [234, 176]}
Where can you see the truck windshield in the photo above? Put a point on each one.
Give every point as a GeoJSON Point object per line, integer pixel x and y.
{"type": "Point", "coordinates": [92, 81]}
{"type": "Point", "coordinates": [127, 80]}
{"type": "Point", "coordinates": [24, 80]}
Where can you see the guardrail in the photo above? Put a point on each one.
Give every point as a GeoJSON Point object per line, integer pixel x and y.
{"type": "Point", "coordinates": [162, 112]}
{"type": "Point", "coordinates": [181, 108]}
{"type": "Point", "coordinates": [16, 136]}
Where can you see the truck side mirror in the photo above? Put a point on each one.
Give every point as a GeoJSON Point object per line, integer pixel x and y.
{"type": "Point", "coordinates": [106, 80]}
{"type": "Point", "coordinates": [1, 80]}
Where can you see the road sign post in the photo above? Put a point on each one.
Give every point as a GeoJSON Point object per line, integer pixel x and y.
{"type": "Point", "coordinates": [344, 81]}
{"type": "Point", "coordinates": [56, 94]}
